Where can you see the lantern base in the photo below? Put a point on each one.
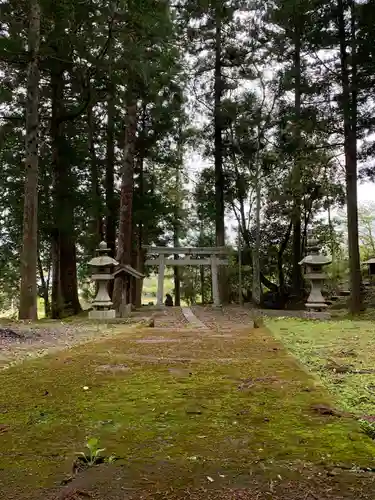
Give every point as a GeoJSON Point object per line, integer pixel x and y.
{"type": "Point", "coordinates": [316, 306]}
{"type": "Point", "coordinates": [102, 314]}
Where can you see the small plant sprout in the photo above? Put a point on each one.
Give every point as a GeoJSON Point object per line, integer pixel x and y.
{"type": "Point", "coordinates": [93, 455]}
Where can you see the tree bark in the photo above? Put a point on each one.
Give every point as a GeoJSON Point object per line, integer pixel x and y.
{"type": "Point", "coordinates": [65, 286]}
{"type": "Point", "coordinates": [201, 276]}
{"type": "Point", "coordinates": [140, 235]}
{"type": "Point", "coordinates": [218, 142]}
{"type": "Point", "coordinates": [96, 217]}
{"type": "Point", "coordinates": [177, 226]}
{"type": "Point", "coordinates": [349, 110]}
{"type": "Point", "coordinates": [124, 250]}
{"type": "Point", "coordinates": [29, 253]}
{"type": "Point", "coordinates": [111, 206]}
{"type": "Point", "coordinates": [296, 174]}
{"type": "Point", "coordinates": [176, 274]}
{"type": "Point", "coordinates": [257, 284]}
{"type": "Point", "coordinates": [280, 258]}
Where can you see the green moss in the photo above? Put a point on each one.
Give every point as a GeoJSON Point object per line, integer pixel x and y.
{"type": "Point", "coordinates": [200, 402]}
{"type": "Point", "coordinates": [322, 345]}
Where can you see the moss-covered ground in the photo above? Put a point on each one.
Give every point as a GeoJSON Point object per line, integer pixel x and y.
{"type": "Point", "coordinates": [340, 353]}
{"type": "Point", "coordinates": [194, 407]}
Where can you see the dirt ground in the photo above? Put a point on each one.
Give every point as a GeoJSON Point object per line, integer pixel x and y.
{"type": "Point", "coordinates": [304, 482]}
{"type": "Point", "coordinates": [21, 340]}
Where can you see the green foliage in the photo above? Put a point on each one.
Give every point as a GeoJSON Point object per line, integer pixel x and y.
{"type": "Point", "coordinates": [94, 452]}
{"type": "Point", "coordinates": [190, 285]}
{"type": "Point", "coordinates": [321, 344]}
{"type": "Point", "coordinates": [77, 41]}
{"type": "Point", "coordinates": [164, 57]}
{"type": "Point", "coordinates": [366, 221]}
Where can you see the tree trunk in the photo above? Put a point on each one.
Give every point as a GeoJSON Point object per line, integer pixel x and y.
{"type": "Point", "coordinates": [111, 207]}
{"type": "Point", "coordinates": [96, 218]}
{"type": "Point", "coordinates": [124, 250]}
{"type": "Point", "coordinates": [331, 230]}
{"type": "Point", "coordinates": [280, 258]}
{"type": "Point", "coordinates": [176, 276]}
{"type": "Point", "coordinates": [257, 285]}
{"type": "Point", "coordinates": [218, 142]}
{"type": "Point", "coordinates": [201, 274]}
{"type": "Point", "coordinates": [65, 287]}
{"type": "Point", "coordinates": [140, 235]}
{"type": "Point", "coordinates": [29, 253]}
{"type": "Point", "coordinates": [349, 109]}
{"type": "Point", "coordinates": [141, 269]}
{"type": "Point", "coordinates": [177, 226]}
{"type": "Point", "coordinates": [296, 174]}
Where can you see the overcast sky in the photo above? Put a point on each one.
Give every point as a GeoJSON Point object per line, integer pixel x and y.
{"type": "Point", "coordinates": [366, 192]}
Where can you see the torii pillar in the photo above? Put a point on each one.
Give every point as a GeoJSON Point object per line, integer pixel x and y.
{"type": "Point", "coordinates": [160, 290]}
{"type": "Point", "coordinates": [215, 281]}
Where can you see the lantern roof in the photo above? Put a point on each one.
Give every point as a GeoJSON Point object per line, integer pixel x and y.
{"type": "Point", "coordinates": [103, 261]}
{"type": "Point", "coordinates": [316, 260]}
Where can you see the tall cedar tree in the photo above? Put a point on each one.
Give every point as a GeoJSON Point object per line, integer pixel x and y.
{"type": "Point", "coordinates": [28, 294]}
{"type": "Point", "coordinates": [348, 66]}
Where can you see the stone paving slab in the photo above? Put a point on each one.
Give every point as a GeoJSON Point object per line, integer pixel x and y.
{"type": "Point", "coordinates": [192, 319]}
{"type": "Point", "coordinates": [170, 317]}
{"type": "Point", "coordinates": [225, 319]}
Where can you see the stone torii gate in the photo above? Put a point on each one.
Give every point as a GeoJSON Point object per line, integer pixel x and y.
{"type": "Point", "coordinates": [208, 256]}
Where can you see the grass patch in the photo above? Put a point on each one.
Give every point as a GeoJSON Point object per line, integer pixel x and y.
{"type": "Point", "coordinates": [192, 400]}
{"type": "Point", "coordinates": [339, 352]}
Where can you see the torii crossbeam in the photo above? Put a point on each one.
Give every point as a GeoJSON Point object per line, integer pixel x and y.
{"type": "Point", "coordinates": [208, 256]}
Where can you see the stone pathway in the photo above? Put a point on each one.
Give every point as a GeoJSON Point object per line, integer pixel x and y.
{"type": "Point", "coordinates": [204, 318]}
{"type": "Point", "coordinates": [192, 319]}
{"type": "Point", "coordinates": [170, 317]}
{"type": "Point", "coordinates": [226, 319]}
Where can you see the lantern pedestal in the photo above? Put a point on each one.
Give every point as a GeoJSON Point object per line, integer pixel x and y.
{"type": "Point", "coordinates": [313, 264]}
{"type": "Point", "coordinates": [103, 265]}
{"type": "Point", "coordinates": [102, 314]}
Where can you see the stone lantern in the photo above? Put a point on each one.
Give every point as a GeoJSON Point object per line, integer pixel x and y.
{"type": "Point", "coordinates": [314, 263]}
{"type": "Point", "coordinates": [102, 275]}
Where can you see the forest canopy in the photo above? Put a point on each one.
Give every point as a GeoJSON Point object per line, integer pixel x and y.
{"type": "Point", "coordinates": [105, 104]}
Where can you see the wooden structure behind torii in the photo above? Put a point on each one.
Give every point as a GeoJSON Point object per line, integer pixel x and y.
{"type": "Point", "coordinates": [207, 256]}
